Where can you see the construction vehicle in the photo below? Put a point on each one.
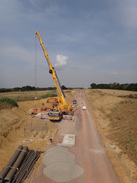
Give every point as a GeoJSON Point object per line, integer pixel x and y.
{"type": "Point", "coordinates": [52, 100]}
{"type": "Point", "coordinates": [62, 106]}
{"type": "Point", "coordinates": [74, 101]}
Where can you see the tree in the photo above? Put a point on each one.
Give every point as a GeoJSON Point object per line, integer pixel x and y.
{"type": "Point", "coordinates": [93, 85]}
{"type": "Point", "coordinates": [64, 87]}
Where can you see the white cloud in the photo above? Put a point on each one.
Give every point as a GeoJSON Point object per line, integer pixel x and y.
{"type": "Point", "coordinates": [61, 61]}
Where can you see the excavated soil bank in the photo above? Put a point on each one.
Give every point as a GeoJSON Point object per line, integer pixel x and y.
{"type": "Point", "coordinates": [14, 120]}
{"type": "Point", "coordinates": [115, 114]}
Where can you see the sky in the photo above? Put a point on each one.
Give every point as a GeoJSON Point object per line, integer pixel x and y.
{"type": "Point", "coordinates": [88, 41]}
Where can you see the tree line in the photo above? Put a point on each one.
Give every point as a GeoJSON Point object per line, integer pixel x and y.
{"type": "Point", "coordinates": [32, 88]}
{"type": "Point", "coordinates": [25, 88]}
{"type": "Point", "coordinates": [116, 86]}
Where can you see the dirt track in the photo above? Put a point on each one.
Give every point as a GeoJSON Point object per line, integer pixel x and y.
{"type": "Point", "coordinates": [88, 151]}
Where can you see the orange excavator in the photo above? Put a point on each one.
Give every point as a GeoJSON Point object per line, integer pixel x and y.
{"type": "Point", "coordinates": [52, 100]}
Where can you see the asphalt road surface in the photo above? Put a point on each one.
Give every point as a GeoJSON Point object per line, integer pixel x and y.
{"type": "Point", "coordinates": [86, 162]}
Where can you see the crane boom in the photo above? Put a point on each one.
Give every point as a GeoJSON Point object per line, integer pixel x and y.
{"type": "Point", "coordinates": [61, 95]}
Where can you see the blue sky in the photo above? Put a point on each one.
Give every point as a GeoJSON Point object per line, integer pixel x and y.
{"type": "Point", "coordinates": [87, 41]}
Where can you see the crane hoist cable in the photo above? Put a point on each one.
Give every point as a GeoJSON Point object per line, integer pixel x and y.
{"type": "Point", "coordinates": [35, 109]}
{"type": "Point", "coordinates": [35, 74]}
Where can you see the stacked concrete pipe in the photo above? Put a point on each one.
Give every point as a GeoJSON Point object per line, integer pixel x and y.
{"type": "Point", "coordinates": [7, 168]}
{"type": "Point", "coordinates": [15, 162]}
{"type": "Point", "coordinates": [16, 165]}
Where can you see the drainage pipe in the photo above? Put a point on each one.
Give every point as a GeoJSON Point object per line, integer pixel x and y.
{"type": "Point", "coordinates": [6, 169]}
{"type": "Point", "coordinates": [16, 165]}
{"type": "Point", "coordinates": [22, 173]}
{"type": "Point", "coordinates": [27, 166]}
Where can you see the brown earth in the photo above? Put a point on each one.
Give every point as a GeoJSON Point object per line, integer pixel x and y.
{"type": "Point", "coordinates": [12, 124]}
{"type": "Point", "coordinates": [14, 120]}
{"type": "Point", "coordinates": [115, 116]}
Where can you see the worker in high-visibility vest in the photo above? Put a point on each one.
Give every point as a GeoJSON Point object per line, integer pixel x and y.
{"type": "Point", "coordinates": [35, 110]}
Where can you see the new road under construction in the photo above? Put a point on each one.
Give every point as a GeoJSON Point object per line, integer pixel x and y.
{"type": "Point", "coordinates": [59, 140]}
{"type": "Point", "coordinates": [77, 153]}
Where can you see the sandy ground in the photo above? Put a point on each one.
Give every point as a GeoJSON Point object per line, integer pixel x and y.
{"type": "Point", "coordinates": [114, 114]}
{"type": "Point", "coordinates": [12, 124]}
{"type": "Point", "coordinates": [14, 120]}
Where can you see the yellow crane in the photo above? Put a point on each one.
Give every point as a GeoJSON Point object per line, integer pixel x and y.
{"type": "Point", "coordinates": [63, 107]}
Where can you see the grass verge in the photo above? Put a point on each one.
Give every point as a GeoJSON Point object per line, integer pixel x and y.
{"type": "Point", "coordinates": [7, 103]}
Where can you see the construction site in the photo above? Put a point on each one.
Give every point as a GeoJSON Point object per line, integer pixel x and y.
{"type": "Point", "coordinates": [81, 135]}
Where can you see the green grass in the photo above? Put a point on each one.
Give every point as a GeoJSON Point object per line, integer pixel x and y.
{"type": "Point", "coordinates": [11, 100]}
{"type": "Point", "coordinates": [48, 95]}
{"type": "Point", "coordinates": [27, 95]}
{"type": "Point", "coordinates": [7, 103]}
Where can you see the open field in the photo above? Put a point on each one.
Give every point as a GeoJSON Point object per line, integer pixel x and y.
{"type": "Point", "coordinates": [114, 114]}
{"type": "Point", "coordinates": [25, 95]}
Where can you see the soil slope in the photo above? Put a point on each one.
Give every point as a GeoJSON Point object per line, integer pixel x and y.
{"type": "Point", "coordinates": [14, 120]}
{"type": "Point", "coordinates": [12, 124]}
{"type": "Point", "coordinates": [115, 114]}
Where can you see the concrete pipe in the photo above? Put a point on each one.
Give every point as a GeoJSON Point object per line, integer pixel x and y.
{"type": "Point", "coordinates": [6, 169]}
{"type": "Point", "coordinates": [16, 165]}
